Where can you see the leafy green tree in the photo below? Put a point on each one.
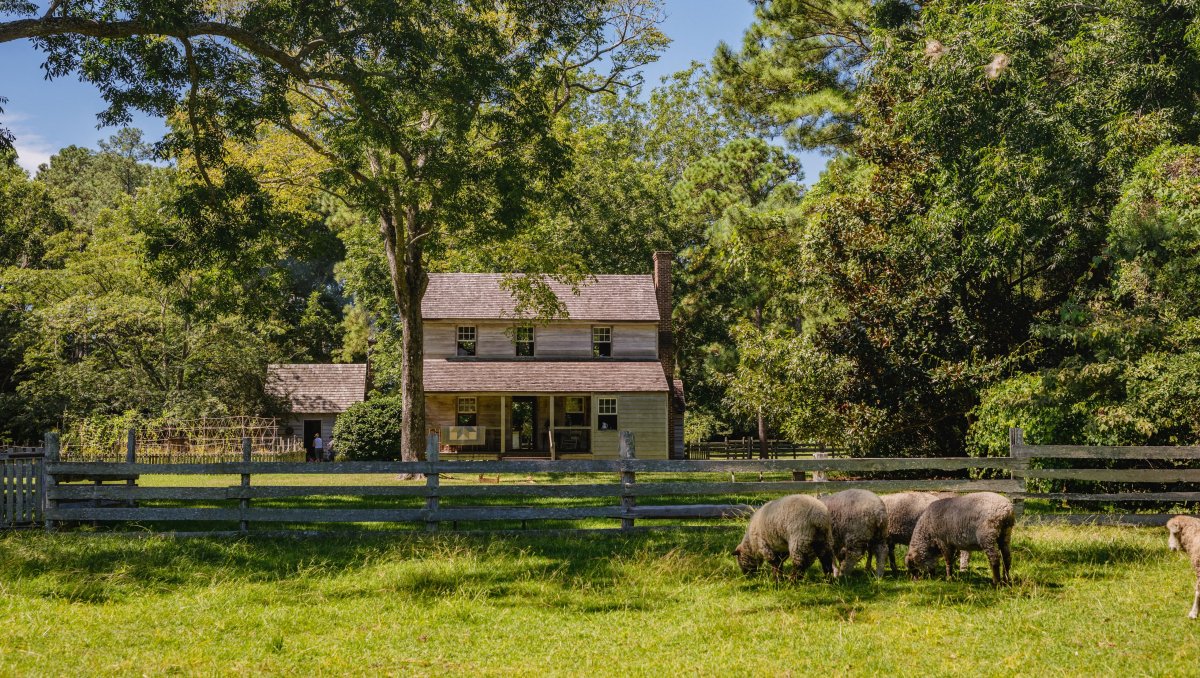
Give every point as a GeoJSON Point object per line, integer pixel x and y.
{"type": "Point", "coordinates": [433, 115]}
{"type": "Point", "coordinates": [800, 67]}
{"type": "Point", "coordinates": [1132, 350]}
{"type": "Point", "coordinates": [743, 198]}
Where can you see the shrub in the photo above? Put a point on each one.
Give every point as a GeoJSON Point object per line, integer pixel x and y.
{"type": "Point", "coordinates": [369, 431]}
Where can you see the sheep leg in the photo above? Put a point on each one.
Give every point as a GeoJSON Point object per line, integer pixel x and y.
{"type": "Point", "coordinates": [776, 564]}
{"type": "Point", "coordinates": [1006, 554]}
{"type": "Point", "coordinates": [993, 556]}
{"type": "Point", "coordinates": [892, 558]}
{"type": "Point", "coordinates": [801, 560]}
{"type": "Point", "coordinates": [1195, 603]}
{"type": "Point", "coordinates": [825, 555]}
{"type": "Point", "coordinates": [964, 561]}
{"type": "Point", "coordinates": [880, 548]}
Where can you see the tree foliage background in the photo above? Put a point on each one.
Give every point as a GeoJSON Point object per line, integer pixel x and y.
{"type": "Point", "coordinates": [1007, 232]}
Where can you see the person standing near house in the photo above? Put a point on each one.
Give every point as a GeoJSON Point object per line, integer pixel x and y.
{"type": "Point", "coordinates": [319, 448]}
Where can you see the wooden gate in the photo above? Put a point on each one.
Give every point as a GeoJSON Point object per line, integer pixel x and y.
{"type": "Point", "coordinates": [22, 477]}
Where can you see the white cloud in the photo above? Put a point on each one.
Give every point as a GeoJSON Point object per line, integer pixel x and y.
{"type": "Point", "coordinates": [32, 148]}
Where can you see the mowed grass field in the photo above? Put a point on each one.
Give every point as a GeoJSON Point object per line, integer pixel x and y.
{"type": "Point", "coordinates": [1086, 601]}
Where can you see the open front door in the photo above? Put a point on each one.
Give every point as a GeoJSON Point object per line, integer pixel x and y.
{"type": "Point", "coordinates": [523, 430]}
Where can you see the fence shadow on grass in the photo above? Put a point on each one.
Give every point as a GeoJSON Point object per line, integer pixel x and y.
{"type": "Point", "coordinates": [585, 575]}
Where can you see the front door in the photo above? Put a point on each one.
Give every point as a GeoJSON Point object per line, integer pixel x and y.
{"type": "Point", "coordinates": [524, 423]}
{"type": "Point", "coordinates": [312, 429]}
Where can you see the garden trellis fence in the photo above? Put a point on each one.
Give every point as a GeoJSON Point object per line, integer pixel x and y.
{"type": "Point", "coordinates": [22, 479]}
{"type": "Point", "coordinates": [619, 493]}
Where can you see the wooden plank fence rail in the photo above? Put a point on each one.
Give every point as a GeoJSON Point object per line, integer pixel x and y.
{"type": "Point", "coordinates": [750, 448]}
{"type": "Point", "coordinates": [629, 489]}
{"type": "Point", "coordinates": [1020, 450]}
{"type": "Point", "coordinates": [617, 486]}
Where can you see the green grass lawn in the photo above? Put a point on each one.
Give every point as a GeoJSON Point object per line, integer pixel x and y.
{"type": "Point", "coordinates": [1086, 601]}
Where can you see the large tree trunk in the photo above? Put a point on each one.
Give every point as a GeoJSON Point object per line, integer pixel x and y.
{"type": "Point", "coordinates": [406, 267]}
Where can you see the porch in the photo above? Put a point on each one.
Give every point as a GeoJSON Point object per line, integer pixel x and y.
{"type": "Point", "coordinates": [513, 426]}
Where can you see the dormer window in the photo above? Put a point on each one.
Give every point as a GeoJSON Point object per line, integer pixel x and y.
{"type": "Point", "coordinates": [466, 341]}
{"type": "Point", "coordinates": [602, 342]}
{"type": "Point", "coordinates": [523, 337]}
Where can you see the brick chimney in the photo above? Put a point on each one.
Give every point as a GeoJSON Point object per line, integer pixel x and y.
{"type": "Point", "coordinates": [666, 351]}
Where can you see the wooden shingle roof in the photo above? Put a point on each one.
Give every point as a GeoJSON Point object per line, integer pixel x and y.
{"type": "Point", "coordinates": [318, 389]}
{"type": "Point", "coordinates": [516, 376]}
{"type": "Point", "coordinates": [479, 296]}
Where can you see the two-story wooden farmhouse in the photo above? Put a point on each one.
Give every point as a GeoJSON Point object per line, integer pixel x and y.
{"type": "Point", "coordinates": [562, 389]}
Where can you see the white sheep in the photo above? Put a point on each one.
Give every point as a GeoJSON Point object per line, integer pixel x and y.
{"type": "Point", "coordinates": [1183, 534]}
{"type": "Point", "coordinates": [796, 526]}
{"type": "Point", "coordinates": [981, 521]}
{"type": "Point", "coordinates": [860, 526]}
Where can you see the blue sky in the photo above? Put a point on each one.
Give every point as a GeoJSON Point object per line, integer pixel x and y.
{"type": "Point", "coordinates": [47, 115]}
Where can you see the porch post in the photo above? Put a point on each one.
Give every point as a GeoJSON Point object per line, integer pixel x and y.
{"type": "Point", "coordinates": [503, 428]}
{"type": "Point", "coordinates": [552, 451]}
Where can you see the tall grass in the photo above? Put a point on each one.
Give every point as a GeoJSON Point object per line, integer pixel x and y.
{"type": "Point", "coordinates": [1086, 601]}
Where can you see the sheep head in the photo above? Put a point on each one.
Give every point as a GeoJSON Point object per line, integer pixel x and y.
{"type": "Point", "coordinates": [749, 562]}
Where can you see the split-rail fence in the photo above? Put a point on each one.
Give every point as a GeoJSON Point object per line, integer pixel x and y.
{"type": "Point", "coordinates": [630, 491]}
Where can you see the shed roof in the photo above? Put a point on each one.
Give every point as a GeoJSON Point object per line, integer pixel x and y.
{"type": "Point", "coordinates": [318, 388]}
{"type": "Point", "coordinates": [516, 376]}
{"type": "Point", "coordinates": [481, 296]}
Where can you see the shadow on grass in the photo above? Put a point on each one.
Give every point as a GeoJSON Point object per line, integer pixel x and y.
{"type": "Point", "coordinates": [592, 574]}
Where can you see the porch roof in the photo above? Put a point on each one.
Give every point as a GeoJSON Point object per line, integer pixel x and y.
{"type": "Point", "coordinates": [512, 376]}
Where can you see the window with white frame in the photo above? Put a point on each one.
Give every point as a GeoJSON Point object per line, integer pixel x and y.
{"type": "Point", "coordinates": [523, 337]}
{"type": "Point", "coordinates": [466, 340]}
{"type": "Point", "coordinates": [467, 411]}
{"type": "Point", "coordinates": [606, 414]}
{"type": "Point", "coordinates": [602, 342]}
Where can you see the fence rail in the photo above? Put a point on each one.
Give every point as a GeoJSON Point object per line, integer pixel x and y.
{"type": "Point", "coordinates": [751, 448]}
{"type": "Point", "coordinates": [630, 490]}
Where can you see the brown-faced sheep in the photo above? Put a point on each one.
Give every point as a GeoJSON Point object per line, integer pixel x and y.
{"type": "Point", "coordinates": [797, 526]}
{"type": "Point", "coordinates": [1183, 534]}
{"type": "Point", "coordinates": [860, 526]}
{"type": "Point", "coordinates": [904, 508]}
{"type": "Point", "coordinates": [981, 521]}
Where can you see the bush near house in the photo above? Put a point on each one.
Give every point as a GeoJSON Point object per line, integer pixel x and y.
{"type": "Point", "coordinates": [369, 431]}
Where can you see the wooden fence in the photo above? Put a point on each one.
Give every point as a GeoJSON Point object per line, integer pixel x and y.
{"type": "Point", "coordinates": [21, 481]}
{"type": "Point", "coordinates": [626, 501]}
{"type": "Point", "coordinates": [1030, 460]}
{"type": "Point", "coordinates": [628, 491]}
{"type": "Point", "coordinates": [750, 448]}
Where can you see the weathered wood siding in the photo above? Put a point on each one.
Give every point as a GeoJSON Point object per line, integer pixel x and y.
{"type": "Point", "coordinates": [645, 414]}
{"type": "Point", "coordinates": [632, 340]}
{"type": "Point", "coordinates": [296, 423]}
{"type": "Point", "coordinates": [561, 339]}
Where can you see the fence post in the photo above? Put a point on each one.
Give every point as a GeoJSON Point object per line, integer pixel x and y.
{"type": "Point", "coordinates": [627, 451]}
{"type": "Point", "coordinates": [52, 451]}
{"type": "Point", "coordinates": [245, 502]}
{"type": "Point", "coordinates": [819, 476]}
{"type": "Point", "coordinates": [432, 483]}
{"type": "Point", "coordinates": [1016, 443]}
{"type": "Point", "coordinates": [131, 458]}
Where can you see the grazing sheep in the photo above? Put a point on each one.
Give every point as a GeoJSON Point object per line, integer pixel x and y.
{"type": "Point", "coordinates": [981, 521]}
{"type": "Point", "coordinates": [860, 525]}
{"type": "Point", "coordinates": [797, 526]}
{"type": "Point", "coordinates": [1184, 535]}
{"type": "Point", "coordinates": [904, 508]}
